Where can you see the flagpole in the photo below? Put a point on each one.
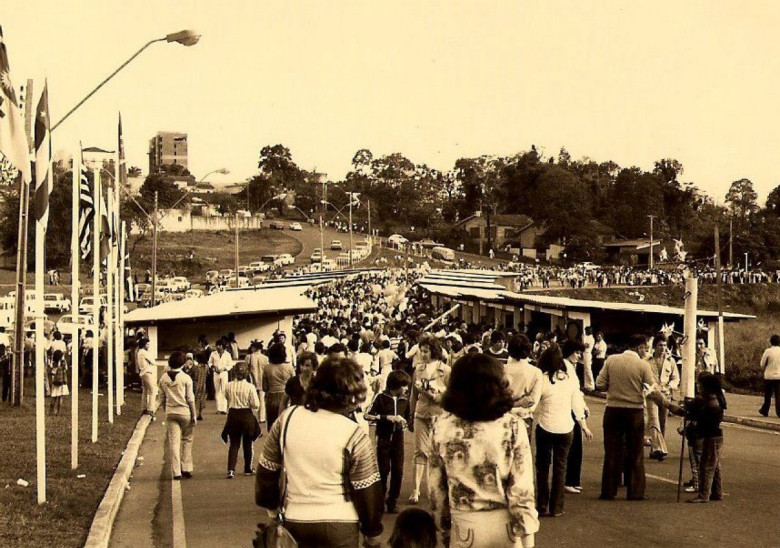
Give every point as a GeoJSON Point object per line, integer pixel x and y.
{"type": "Point", "coordinates": [119, 282]}
{"type": "Point", "coordinates": [75, 253]}
{"type": "Point", "coordinates": [120, 347]}
{"type": "Point", "coordinates": [96, 221]}
{"type": "Point", "coordinates": [43, 180]}
{"type": "Point", "coordinates": [110, 315]}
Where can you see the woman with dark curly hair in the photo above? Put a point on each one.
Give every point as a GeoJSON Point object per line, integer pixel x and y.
{"type": "Point", "coordinates": [560, 403]}
{"type": "Point", "coordinates": [481, 480]}
{"type": "Point", "coordinates": [295, 389]}
{"type": "Point", "coordinates": [428, 383]}
{"type": "Point", "coordinates": [333, 486]}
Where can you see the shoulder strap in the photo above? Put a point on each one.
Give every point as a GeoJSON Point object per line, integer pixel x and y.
{"type": "Point", "coordinates": [283, 491]}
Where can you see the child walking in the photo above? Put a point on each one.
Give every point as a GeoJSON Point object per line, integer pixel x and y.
{"type": "Point", "coordinates": [390, 410]}
{"type": "Point", "coordinates": [59, 381]}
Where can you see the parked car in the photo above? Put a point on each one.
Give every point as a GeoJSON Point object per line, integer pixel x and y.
{"type": "Point", "coordinates": [179, 284]}
{"type": "Point", "coordinates": [277, 225]}
{"type": "Point", "coordinates": [396, 240]}
{"type": "Point", "coordinates": [212, 276]}
{"type": "Point", "coordinates": [243, 270]}
{"type": "Point", "coordinates": [296, 227]}
{"type": "Point", "coordinates": [444, 254]}
{"type": "Point", "coordinates": [316, 256]}
{"type": "Point", "coordinates": [272, 261]}
{"type": "Point", "coordinates": [336, 245]}
{"type": "Point", "coordinates": [56, 301]}
{"type": "Point", "coordinates": [243, 281]}
{"type": "Point", "coordinates": [427, 243]}
{"type": "Point", "coordinates": [194, 293]}
{"type": "Point", "coordinates": [286, 259]}
{"type": "Point", "coordinates": [165, 286]}
{"type": "Point", "coordinates": [87, 304]}
{"type": "Point", "coordinates": [587, 265]}
{"type": "Point", "coordinates": [258, 266]}
{"type": "Point", "coordinates": [66, 325]}
{"type": "Point", "coordinates": [225, 273]}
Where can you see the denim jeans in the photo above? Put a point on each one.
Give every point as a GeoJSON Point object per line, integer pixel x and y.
{"type": "Point", "coordinates": [315, 534]}
{"type": "Point", "coordinates": [551, 448]}
{"type": "Point", "coordinates": [709, 468]}
{"type": "Point", "coordinates": [624, 441]}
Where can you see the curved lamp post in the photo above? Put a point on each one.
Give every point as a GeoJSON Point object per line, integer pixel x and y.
{"type": "Point", "coordinates": [184, 37]}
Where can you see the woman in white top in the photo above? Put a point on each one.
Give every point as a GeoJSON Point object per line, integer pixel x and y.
{"type": "Point", "coordinates": [147, 368]}
{"type": "Point", "coordinates": [561, 397]}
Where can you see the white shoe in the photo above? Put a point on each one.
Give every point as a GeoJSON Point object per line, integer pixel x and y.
{"type": "Point", "coordinates": [572, 490]}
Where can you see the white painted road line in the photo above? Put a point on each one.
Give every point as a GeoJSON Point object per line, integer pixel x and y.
{"type": "Point", "coordinates": [660, 478]}
{"type": "Point", "coordinates": [179, 535]}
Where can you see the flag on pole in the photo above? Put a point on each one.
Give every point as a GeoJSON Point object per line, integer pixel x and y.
{"type": "Point", "coordinates": [86, 212]}
{"type": "Point", "coordinates": [43, 179]}
{"type": "Point", "coordinates": [105, 230]}
{"type": "Point", "coordinates": [354, 198]}
{"type": "Point", "coordinates": [13, 139]}
{"type": "Point", "coordinates": [122, 161]}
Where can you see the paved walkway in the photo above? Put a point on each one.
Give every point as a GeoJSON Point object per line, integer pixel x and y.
{"type": "Point", "coordinates": [210, 510]}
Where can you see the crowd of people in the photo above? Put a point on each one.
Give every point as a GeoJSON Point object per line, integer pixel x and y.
{"type": "Point", "coordinates": [499, 420]}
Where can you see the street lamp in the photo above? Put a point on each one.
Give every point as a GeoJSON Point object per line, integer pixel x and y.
{"type": "Point", "coordinates": [184, 37]}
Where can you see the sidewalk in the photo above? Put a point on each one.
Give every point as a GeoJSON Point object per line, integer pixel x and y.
{"type": "Point", "coordinates": [208, 509]}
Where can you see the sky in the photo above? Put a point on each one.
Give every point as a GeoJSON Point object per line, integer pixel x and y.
{"type": "Point", "coordinates": [631, 82]}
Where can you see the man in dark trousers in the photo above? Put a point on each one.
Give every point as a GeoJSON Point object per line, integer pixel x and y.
{"type": "Point", "coordinates": [390, 410]}
{"type": "Point", "coordinates": [623, 378]}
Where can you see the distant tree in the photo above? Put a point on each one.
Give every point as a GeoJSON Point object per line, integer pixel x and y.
{"type": "Point", "coordinates": [224, 203]}
{"type": "Point", "coordinates": [167, 191]}
{"type": "Point", "coordinates": [635, 195]}
{"type": "Point", "coordinates": [562, 204]}
{"type": "Point", "coordinates": [742, 199]}
{"type": "Point", "coordinates": [773, 202]}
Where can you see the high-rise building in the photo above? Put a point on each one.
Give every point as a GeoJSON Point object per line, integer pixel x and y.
{"type": "Point", "coordinates": [167, 148]}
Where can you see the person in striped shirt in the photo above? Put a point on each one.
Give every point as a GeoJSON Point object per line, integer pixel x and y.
{"type": "Point", "coordinates": [241, 426]}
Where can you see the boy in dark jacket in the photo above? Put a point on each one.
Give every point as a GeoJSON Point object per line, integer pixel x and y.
{"type": "Point", "coordinates": [390, 410]}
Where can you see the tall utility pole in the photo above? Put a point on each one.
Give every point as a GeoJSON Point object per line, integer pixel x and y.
{"type": "Point", "coordinates": [154, 251]}
{"type": "Point", "coordinates": [370, 234]}
{"type": "Point", "coordinates": [651, 240]}
{"type": "Point", "coordinates": [237, 285]}
{"type": "Point", "coordinates": [718, 275]}
{"type": "Point", "coordinates": [731, 242]}
{"type": "Point", "coordinates": [350, 230]}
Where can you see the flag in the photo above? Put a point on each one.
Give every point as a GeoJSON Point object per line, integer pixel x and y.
{"type": "Point", "coordinates": [86, 212]}
{"type": "Point", "coordinates": [13, 139]}
{"type": "Point", "coordinates": [105, 231]}
{"type": "Point", "coordinates": [43, 179]}
{"type": "Point", "coordinates": [122, 161]}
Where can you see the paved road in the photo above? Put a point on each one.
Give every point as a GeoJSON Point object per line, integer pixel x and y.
{"type": "Point", "coordinates": [217, 511]}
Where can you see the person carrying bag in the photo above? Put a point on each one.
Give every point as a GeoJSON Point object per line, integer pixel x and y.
{"type": "Point", "coordinates": [275, 534]}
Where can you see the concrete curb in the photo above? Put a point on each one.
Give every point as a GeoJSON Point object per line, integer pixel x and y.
{"type": "Point", "coordinates": [744, 421]}
{"type": "Point", "coordinates": [103, 522]}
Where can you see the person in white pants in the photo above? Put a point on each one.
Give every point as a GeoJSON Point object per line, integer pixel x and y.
{"type": "Point", "coordinates": [178, 400]}
{"type": "Point", "coordinates": [587, 359]}
{"type": "Point", "coordinates": [221, 362]}
{"type": "Point", "coordinates": [147, 369]}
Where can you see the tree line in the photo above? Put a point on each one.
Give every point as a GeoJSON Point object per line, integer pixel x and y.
{"type": "Point", "coordinates": [579, 202]}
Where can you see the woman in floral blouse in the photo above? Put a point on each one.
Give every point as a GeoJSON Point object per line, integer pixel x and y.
{"type": "Point", "coordinates": [481, 474]}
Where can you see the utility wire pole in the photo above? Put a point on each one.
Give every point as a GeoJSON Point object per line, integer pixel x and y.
{"type": "Point", "coordinates": [651, 240]}
{"type": "Point", "coordinates": [154, 251]}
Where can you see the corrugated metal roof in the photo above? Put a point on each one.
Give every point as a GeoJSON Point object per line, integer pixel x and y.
{"type": "Point", "coordinates": [254, 302]}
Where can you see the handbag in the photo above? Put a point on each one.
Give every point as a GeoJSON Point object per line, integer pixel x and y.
{"type": "Point", "coordinates": [275, 534]}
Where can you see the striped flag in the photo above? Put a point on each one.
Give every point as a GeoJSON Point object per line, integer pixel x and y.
{"type": "Point", "coordinates": [86, 212]}
{"type": "Point", "coordinates": [13, 139]}
{"type": "Point", "coordinates": [43, 179]}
